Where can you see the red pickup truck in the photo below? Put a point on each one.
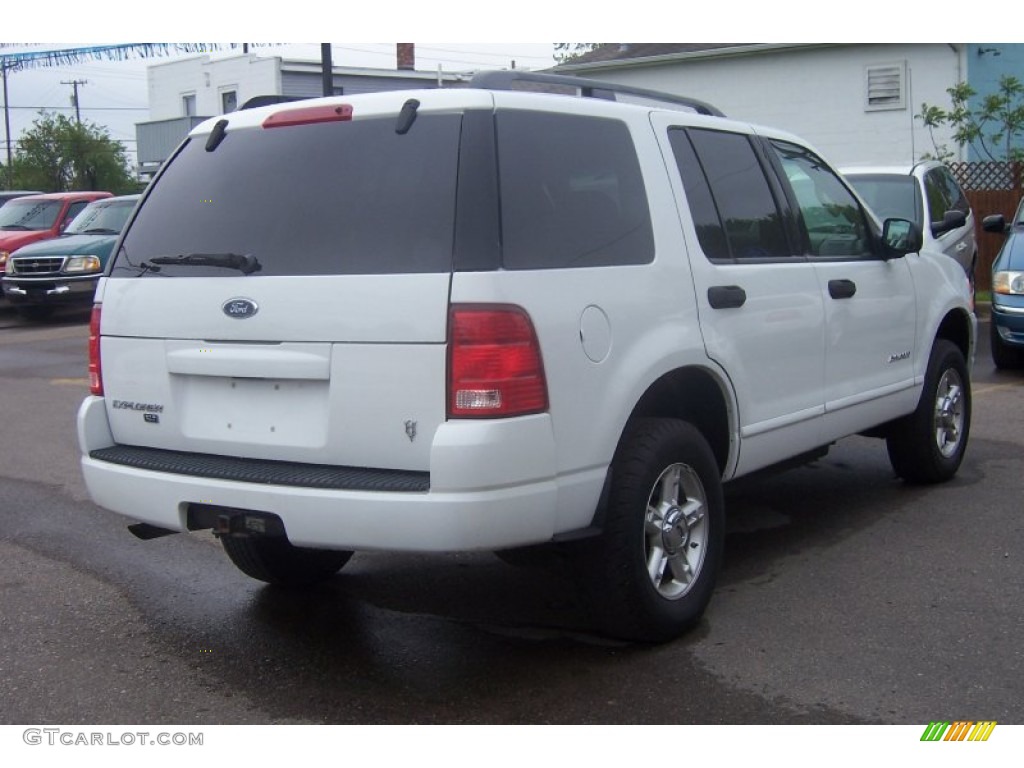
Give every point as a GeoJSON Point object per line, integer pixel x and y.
{"type": "Point", "coordinates": [27, 220]}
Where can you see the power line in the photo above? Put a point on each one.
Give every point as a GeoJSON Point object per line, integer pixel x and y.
{"type": "Point", "coordinates": [90, 109]}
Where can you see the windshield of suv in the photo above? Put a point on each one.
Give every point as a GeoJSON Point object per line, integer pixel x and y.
{"type": "Point", "coordinates": [352, 197]}
{"type": "Point", "coordinates": [890, 197]}
{"type": "Point", "coordinates": [29, 214]}
{"type": "Point", "coordinates": [101, 218]}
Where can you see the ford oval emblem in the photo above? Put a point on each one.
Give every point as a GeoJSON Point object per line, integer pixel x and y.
{"type": "Point", "coordinates": [240, 309]}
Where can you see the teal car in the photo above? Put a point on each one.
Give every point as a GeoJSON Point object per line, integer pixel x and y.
{"type": "Point", "coordinates": [1007, 323]}
{"type": "Point", "coordinates": [64, 270]}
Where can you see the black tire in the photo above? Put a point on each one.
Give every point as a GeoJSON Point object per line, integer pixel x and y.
{"type": "Point", "coordinates": [1003, 355]}
{"type": "Point", "coordinates": [650, 574]}
{"type": "Point", "coordinates": [928, 445]}
{"type": "Point", "coordinates": [276, 561]}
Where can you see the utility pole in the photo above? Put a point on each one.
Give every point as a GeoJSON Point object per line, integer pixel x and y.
{"type": "Point", "coordinates": [74, 99]}
{"type": "Point", "coordinates": [326, 69]}
{"type": "Point", "coordinates": [4, 68]}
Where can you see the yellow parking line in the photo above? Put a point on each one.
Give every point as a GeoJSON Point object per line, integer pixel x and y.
{"type": "Point", "coordinates": [70, 382]}
{"type": "Point", "coordinates": [993, 388]}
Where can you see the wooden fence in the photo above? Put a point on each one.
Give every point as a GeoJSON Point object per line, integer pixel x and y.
{"type": "Point", "coordinates": [990, 188]}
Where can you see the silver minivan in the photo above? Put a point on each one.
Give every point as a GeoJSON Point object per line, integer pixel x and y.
{"type": "Point", "coordinates": [928, 194]}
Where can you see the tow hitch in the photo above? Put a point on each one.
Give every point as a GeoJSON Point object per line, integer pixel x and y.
{"type": "Point", "coordinates": [227, 521]}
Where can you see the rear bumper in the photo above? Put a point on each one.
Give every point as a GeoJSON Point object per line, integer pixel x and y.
{"type": "Point", "coordinates": [491, 486]}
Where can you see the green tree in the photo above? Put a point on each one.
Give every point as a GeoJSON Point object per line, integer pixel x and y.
{"type": "Point", "coordinates": [992, 128]}
{"type": "Point", "coordinates": [59, 154]}
{"type": "Point", "coordinates": [565, 53]}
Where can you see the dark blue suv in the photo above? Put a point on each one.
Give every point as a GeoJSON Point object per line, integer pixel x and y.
{"type": "Point", "coordinates": [1008, 291]}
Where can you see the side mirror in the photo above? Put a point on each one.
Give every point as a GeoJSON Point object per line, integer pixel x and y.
{"type": "Point", "coordinates": [900, 237]}
{"type": "Point", "coordinates": [950, 220]}
{"type": "Point", "coordinates": [994, 223]}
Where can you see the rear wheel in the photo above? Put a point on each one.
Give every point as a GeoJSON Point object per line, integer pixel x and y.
{"type": "Point", "coordinates": [650, 574]}
{"type": "Point", "coordinates": [928, 445]}
{"type": "Point", "coordinates": [276, 561]}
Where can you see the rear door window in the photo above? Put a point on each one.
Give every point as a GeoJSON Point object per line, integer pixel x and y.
{"type": "Point", "coordinates": [721, 171]}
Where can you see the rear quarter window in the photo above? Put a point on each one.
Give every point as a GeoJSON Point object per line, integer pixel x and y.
{"type": "Point", "coordinates": [572, 194]}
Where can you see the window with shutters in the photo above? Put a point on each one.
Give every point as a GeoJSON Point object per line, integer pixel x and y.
{"type": "Point", "coordinates": [885, 86]}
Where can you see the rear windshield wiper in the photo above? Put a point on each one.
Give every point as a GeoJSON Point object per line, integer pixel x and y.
{"type": "Point", "coordinates": [99, 231]}
{"type": "Point", "coordinates": [244, 263]}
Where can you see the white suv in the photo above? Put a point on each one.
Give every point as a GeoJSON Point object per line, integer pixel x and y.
{"type": "Point", "coordinates": [487, 318]}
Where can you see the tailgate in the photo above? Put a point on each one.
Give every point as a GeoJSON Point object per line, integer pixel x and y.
{"type": "Point", "coordinates": [356, 391]}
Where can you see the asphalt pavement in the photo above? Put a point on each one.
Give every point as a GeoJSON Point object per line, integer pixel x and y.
{"type": "Point", "coordinates": [846, 597]}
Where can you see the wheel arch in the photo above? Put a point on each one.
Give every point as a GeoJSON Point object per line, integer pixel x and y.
{"type": "Point", "coordinates": [699, 396]}
{"type": "Point", "coordinates": [956, 327]}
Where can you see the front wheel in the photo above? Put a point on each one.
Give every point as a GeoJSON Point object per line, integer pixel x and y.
{"type": "Point", "coordinates": [928, 445]}
{"type": "Point", "coordinates": [275, 560]}
{"type": "Point", "coordinates": [650, 574]}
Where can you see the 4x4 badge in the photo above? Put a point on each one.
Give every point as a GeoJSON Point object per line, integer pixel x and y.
{"type": "Point", "coordinates": [240, 309]}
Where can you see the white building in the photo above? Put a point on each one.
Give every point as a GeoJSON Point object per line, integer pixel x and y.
{"type": "Point", "coordinates": [185, 92]}
{"type": "Point", "coordinates": [855, 102]}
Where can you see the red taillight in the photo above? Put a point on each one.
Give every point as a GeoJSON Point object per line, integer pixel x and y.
{"type": "Point", "coordinates": [494, 363]}
{"type": "Point", "coordinates": [95, 369]}
{"type": "Point", "coordinates": [305, 115]}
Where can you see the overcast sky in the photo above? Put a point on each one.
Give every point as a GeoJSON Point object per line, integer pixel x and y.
{"type": "Point", "coordinates": [114, 94]}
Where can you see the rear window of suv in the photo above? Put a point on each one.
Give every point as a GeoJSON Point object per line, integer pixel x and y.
{"type": "Point", "coordinates": [328, 198]}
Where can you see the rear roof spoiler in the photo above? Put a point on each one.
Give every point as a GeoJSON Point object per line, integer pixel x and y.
{"type": "Point", "coordinates": [267, 100]}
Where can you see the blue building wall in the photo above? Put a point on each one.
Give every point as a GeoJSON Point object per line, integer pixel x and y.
{"type": "Point", "coordinates": [986, 63]}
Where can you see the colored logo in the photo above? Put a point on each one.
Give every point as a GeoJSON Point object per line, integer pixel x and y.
{"type": "Point", "coordinates": [961, 730]}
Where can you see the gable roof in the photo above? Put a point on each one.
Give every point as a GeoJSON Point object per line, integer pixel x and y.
{"type": "Point", "coordinates": [615, 55]}
{"type": "Point", "coordinates": [620, 51]}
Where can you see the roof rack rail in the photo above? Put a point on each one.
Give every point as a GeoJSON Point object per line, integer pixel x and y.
{"type": "Point", "coordinates": [505, 80]}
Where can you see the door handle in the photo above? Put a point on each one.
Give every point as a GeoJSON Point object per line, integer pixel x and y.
{"type": "Point", "coordinates": [726, 296]}
{"type": "Point", "coordinates": [841, 289]}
